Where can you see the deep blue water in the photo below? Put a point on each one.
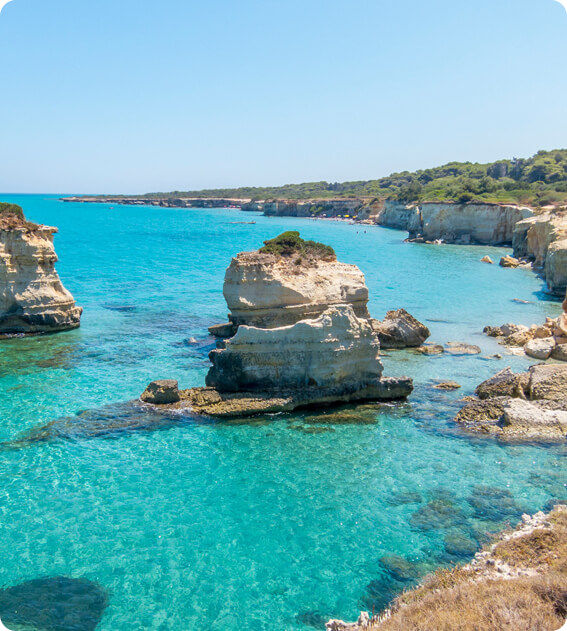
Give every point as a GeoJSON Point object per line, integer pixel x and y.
{"type": "Point", "coordinates": [274, 523]}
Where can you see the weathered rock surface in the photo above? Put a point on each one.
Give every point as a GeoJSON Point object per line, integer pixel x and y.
{"type": "Point", "coordinates": [266, 291]}
{"type": "Point", "coordinates": [540, 348]}
{"type": "Point", "coordinates": [460, 348]}
{"type": "Point", "coordinates": [324, 352]}
{"type": "Point", "coordinates": [430, 349]}
{"type": "Point", "coordinates": [509, 261]}
{"type": "Point", "coordinates": [161, 392]}
{"type": "Point", "coordinates": [487, 259]}
{"type": "Point", "coordinates": [32, 297]}
{"type": "Point", "coordinates": [525, 405]}
{"type": "Point", "coordinates": [399, 329]}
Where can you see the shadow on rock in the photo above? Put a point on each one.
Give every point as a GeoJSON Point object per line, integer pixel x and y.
{"type": "Point", "coordinates": [54, 604]}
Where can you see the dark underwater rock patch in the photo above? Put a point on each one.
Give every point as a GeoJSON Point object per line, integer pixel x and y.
{"type": "Point", "coordinates": [54, 604]}
{"type": "Point", "coordinates": [493, 504]}
{"type": "Point", "coordinates": [438, 514]}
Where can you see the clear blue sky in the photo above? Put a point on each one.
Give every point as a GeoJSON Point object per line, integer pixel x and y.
{"type": "Point", "coordinates": [137, 96]}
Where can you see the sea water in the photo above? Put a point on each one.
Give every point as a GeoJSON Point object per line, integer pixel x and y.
{"type": "Point", "coordinates": [272, 523]}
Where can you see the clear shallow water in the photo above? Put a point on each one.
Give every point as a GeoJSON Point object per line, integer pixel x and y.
{"type": "Point", "coordinates": [274, 523]}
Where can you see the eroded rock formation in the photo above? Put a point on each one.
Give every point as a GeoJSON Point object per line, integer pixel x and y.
{"type": "Point", "coordinates": [32, 297]}
{"type": "Point", "coordinates": [268, 291]}
{"type": "Point", "coordinates": [300, 334]}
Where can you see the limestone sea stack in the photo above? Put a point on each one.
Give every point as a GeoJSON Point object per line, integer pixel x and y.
{"type": "Point", "coordinates": [299, 334]}
{"type": "Point", "coordinates": [32, 298]}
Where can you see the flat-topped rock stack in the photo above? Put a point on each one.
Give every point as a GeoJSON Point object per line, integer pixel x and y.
{"type": "Point", "coordinates": [299, 334]}
{"type": "Point", "coordinates": [32, 297]}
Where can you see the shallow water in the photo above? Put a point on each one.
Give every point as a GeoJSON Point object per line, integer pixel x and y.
{"type": "Point", "coordinates": [272, 523]}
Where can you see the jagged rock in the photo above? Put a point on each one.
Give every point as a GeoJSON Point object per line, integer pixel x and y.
{"type": "Point", "coordinates": [509, 261]}
{"type": "Point", "coordinates": [267, 291]}
{"type": "Point", "coordinates": [540, 348]}
{"type": "Point", "coordinates": [511, 329]}
{"type": "Point", "coordinates": [459, 348]}
{"type": "Point", "coordinates": [162, 392]}
{"type": "Point", "coordinates": [487, 259]}
{"type": "Point", "coordinates": [399, 329]}
{"type": "Point", "coordinates": [430, 349]}
{"type": "Point", "coordinates": [327, 351]}
{"type": "Point", "coordinates": [503, 384]}
{"type": "Point", "coordinates": [32, 297]}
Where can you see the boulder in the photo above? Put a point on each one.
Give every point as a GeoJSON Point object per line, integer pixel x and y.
{"type": "Point", "coordinates": [538, 417]}
{"type": "Point", "coordinates": [399, 329]}
{"type": "Point", "coordinates": [503, 384]}
{"type": "Point", "coordinates": [547, 381]}
{"type": "Point", "coordinates": [161, 392]}
{"type": "Point", "coordinates": [509, 261]}
{"type": "Point", "coordinates": [325, 352]}
{"type": "Point", "coordinates": [482, 415]}
{"type": "Point", "coordinates": [487, 259]}
{"type": "Point", "coordinates": [520, 338]}
{"type": "Point", "coordinates": [493, 331]}
{"type": "Point", "coordinates": [560, 353]}
{"type": "Point", "coordinates": [540, 348]}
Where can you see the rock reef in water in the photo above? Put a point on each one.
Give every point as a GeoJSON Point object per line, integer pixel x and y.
{"type": "Point", "coordinates": [520, 405]}
{"type": "Point", "coordinates": [301, 335]}
{"type": "Point", "coordinates": [33, 299]}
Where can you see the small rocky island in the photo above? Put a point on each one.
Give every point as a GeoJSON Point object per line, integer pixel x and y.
{"type": "Point", "coordinates": [299, 334]}
{"type": "Point", "coordinates": [33, 299]}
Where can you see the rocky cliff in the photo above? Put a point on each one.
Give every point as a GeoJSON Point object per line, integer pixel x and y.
{"type": "Point", "coordinates": [470, 223]}
{"type": "Point", "coordinates": [32, 297]}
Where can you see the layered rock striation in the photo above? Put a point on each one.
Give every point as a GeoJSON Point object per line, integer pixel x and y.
{"type": "Point", "coordinates": [299, 334]}
{"type": "Point", "coordinates": [32, 298]}
{"type": "Point", "coordinates": [470, 223]}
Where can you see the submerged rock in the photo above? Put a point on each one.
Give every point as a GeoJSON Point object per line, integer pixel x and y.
{"type": "Point", "coordinates": [460, 348]}
{"type": "Point", "coordinates": [430, 349]}
{"type": "Point", "coordinates": [447, 385]}
{"type": "Point", "coordinates": [437, 514]}
{"type": "Point", "coordinates": [32, 297]}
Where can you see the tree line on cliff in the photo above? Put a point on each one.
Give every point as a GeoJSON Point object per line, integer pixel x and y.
{"type": "Point", "coordinates": [538, 181]}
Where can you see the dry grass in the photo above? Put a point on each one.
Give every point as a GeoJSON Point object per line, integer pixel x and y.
{"type": "Point", "coordinates": [462, 600]}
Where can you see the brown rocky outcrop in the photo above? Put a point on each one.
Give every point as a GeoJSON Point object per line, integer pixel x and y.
{"type": "Point", "coordinates": [399, 329]}
{"type": "Point", "coordinates": [33, 299]}
{"type": "Point", "coordinates": [520, 406]}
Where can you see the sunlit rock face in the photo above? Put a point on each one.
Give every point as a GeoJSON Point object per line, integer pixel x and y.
{"type": "Point", "coordinates": [32, 297]}
{"type": "Point", "coordinates": [328, 351]}
{"type": "Point", "coordinates": [266, 291]}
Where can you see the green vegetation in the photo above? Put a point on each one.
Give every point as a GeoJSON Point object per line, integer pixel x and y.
{"type": "Point", "coordinates": [11, 209]}
{"type": "Point", "coordinates": [290, 244]}
{"type": "Point", "coordinates": [537, 181]}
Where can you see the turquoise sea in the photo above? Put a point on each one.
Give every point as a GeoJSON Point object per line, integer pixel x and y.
{"type": "Point", "coordinates": [273, 523]}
